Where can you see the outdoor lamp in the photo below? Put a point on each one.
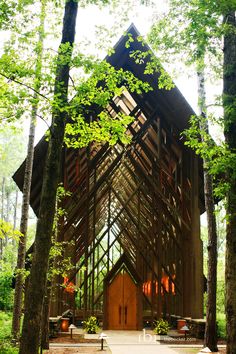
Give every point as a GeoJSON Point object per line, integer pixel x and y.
{"type": "Point", "coordinates": [102, 336]}
{"type": "Point", "coordinates": [71, 327]}
{"type": "Point", "coordinates": [185, 329]}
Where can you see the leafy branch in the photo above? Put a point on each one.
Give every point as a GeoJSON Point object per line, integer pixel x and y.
{"type": "Point", "coordinates": [11, 78]}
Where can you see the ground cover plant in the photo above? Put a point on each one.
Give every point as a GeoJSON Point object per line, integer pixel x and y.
{"type": "Point", "coordinates": [5, 334]}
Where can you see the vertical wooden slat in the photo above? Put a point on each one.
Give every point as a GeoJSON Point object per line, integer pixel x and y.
{"type": "Point", "coordinates": [86, 237]}
{"type": "Point", "coordinates": [93, 242]}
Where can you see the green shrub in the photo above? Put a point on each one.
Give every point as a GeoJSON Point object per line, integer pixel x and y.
{"type": "Point", "coordinates": [221, 325]}
{"type": "Point", "coordinates": [6, 292]}
{"type": "Point", "coordinates": [161, 327]}
{"type": "Point", "coordinates": [220, 299]}
{"type": "Point", "coordinates": [5, 334]}
{"type": "Point", "coordinates": [91, 325]}
{"type": "Point", "coordinates": [6, 348]}
{"type": "Point", "coordinates": [5, 325]}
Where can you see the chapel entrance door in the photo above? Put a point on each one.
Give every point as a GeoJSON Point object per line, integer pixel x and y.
{"type": "Point", "coordinates": [122, 302]}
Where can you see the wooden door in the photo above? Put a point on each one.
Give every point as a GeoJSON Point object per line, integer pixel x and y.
{"type": "Point", "coordinates": [122, 302]}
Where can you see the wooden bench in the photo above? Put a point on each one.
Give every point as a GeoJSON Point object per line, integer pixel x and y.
{"type": "Point", "coordinates": [174, 319]}
{"type": "Point", "coordinates": [197, 328]}
{"type": "Point", "coordinates": [54, 326]}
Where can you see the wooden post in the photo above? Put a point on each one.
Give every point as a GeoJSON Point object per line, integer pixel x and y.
{"type": "Point", "coordinates": [86, 236]}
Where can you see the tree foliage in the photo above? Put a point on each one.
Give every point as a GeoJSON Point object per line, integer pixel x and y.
{"type": "Point", "coordinates": [93, 82]}
{"type": "Point", "coordinates": [194, 29]}
{"type": "Point", "coordinates": [195, 21]}
{"type": "Point", "coordinates": [62, 110]}
{"type": "Point", "coordinates": [7, 264]}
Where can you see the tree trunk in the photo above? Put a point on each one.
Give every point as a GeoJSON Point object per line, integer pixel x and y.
{"type": "Point", "coordinates": [45, 318]}
{"type": "Point", "coordinates": [27, 184]}
{"type": "Point", "coordinates": [15, 210]}
{"type": "Point", "coordinates": [7, 216]}
{"type": "Point", "coordinates": [15, 217]}
{"type": "Point", "coordinates": [38, 276]}
{"type": "Point", "coordinates": [229, 98]}
{"type": "Point", "coordinates": [2, 215]}
{"type": "Point", "coordinates": [3, 194]}
{"type": "Point", "coordinates": [210, 338]}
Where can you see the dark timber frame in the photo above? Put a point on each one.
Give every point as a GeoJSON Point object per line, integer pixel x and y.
{"type": "Point", "coordinates": [140, 203]}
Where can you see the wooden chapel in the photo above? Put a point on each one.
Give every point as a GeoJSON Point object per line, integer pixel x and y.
{"type": "Point", "coordinates": [134, 212]}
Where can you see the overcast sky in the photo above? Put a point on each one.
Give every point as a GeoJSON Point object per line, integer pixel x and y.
{"type": "Point", "coordinates": [90, 17]}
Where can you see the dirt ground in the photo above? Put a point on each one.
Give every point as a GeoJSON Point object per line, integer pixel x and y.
{"type": "Point", "coordinates": [77, 338]}
{"type": "Point", "coordinates": [194, 351]}
{"type": "Point", "coordinates": [82, 350]}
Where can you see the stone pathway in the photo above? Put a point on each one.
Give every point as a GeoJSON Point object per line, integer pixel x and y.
{"type": "Point", "coordinates": [124, 342]}
{"type": "Point", "coordinates": [138, 342]}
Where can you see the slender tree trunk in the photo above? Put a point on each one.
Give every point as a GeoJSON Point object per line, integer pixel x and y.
{"type": "Point", "coordinates": [229, 99]}
{"type": "Point", "coordinates": [1, 250]}
{"type": "Point", "coordinates": [27, 185]}
{"type": "Point", "coordinates": [38, 276]}
{"type": "Point", "coordinates": [15, 210]}
{"type": "Point", "coordinates": [210, 338]}
{"type": "Point", "coordinates": [3, 194]}
{"type": "Point", "coordinates": [45, 318]}
{"type": "Point", "coordinates": [7, 218]}
{"type": "Point", "coordinates": [15, 216]}
{"type": "Point", "coordinates": [2, 216]}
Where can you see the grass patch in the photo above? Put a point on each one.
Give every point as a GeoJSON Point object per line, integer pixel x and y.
{"type": "Point", "coordinates": [221, 321]}
{"type": "Point", "coordinates": [5, 334]}
{"type": "Point", "coordinates": [5, 324]}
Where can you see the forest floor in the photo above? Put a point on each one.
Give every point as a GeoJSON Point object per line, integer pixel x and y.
{"type": "Point", "coordinates": [88, 346]}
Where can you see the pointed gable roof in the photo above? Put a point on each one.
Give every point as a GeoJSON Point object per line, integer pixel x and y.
{"type": "Point", "coordinates": [170, 105]}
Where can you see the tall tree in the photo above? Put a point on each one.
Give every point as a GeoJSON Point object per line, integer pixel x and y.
{"type": "Point", "coordinates": [210, 338]}
{"type": "Point", "coordinates": [2, 214]}
{"type": "Point", "coordinates": [229, 102]}
{"type": "Point", "coordinates": [15, 210]}
{"type": "Point", "coordinates": [38, 276]}
{"type": "Point", "coordinates": [17, 308]}
{"type": "Point", "coordinates": [191, 38]}
{"type": "Point", "coordinates": [224, 160]}
{"type": "Point", "coordinates": [10, 136]}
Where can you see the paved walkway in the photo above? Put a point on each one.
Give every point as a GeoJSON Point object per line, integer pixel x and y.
{"type": "Point", "coordinates": [129, 342]}
{"type": "Point", "coordinates": [138, 342]}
